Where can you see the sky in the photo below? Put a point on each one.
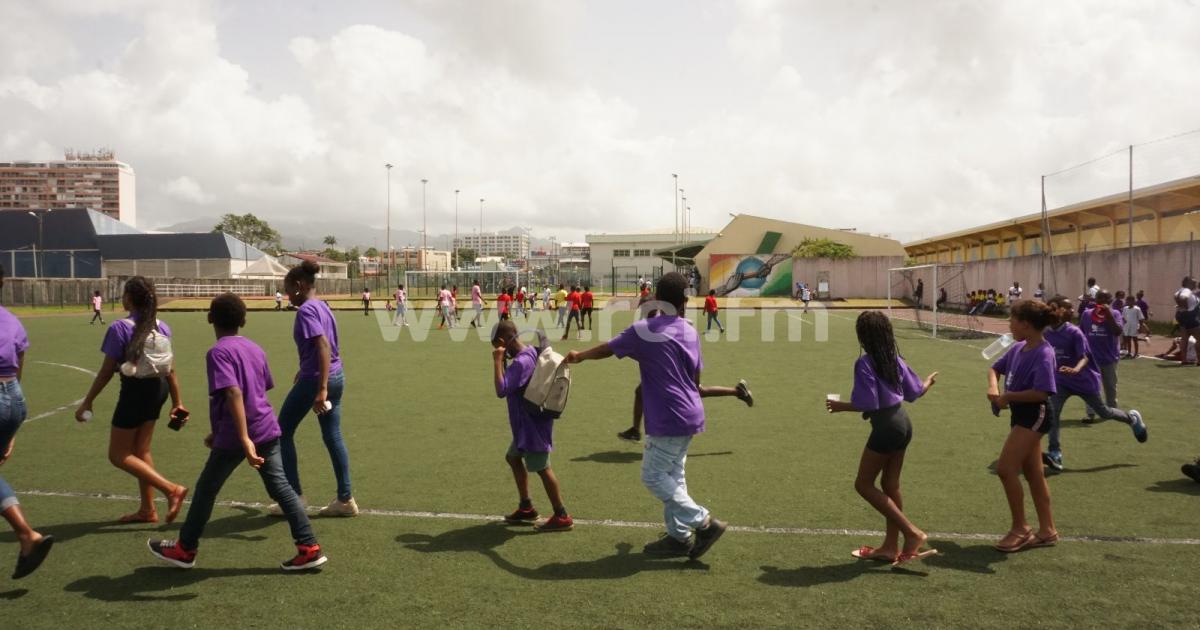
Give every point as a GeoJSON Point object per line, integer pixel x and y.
{"type": "Point", "coordinates": [569, 117]}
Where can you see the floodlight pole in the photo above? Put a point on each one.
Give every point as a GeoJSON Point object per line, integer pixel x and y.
{"type": "Point", "coordinates": [1129, 287]}
{"type": "Point", "coordinates": [936, 294]}
{"type": "Point", "coordinates": [480, 243]}
{"type": "Point", "coordinates": [454, 259]}
{"type": "Point", "coordinates": [389, 220]}
{"type": "Point", "coordinates": [424, 228]}
{"type": "Point", "coordinates": [676, 187]}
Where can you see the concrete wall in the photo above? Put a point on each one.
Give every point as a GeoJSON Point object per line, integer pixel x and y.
{"type": "Point", "coordinates": [865, 277]}
{"type": "Point", "coordinates": [1157, 270]}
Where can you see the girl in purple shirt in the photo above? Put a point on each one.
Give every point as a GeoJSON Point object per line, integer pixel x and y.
{"type": "Point", "coordinates": [318, 387]}
{"type": "Point", "coordinates": [139, 403]}
{"type": "Point", "coordinates": [1028, 368]}
{"type": "Point", "coordinates": [882, 380]}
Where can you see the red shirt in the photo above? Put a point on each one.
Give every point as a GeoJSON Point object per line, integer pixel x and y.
{"type": "Point", "coordinates": [520, 296]}
{"type": "Point", "coordinates": [573, 298]}
{"type": "Point", "coordinates": [710, 304]}
{"type": "Point", "coordinates": [586, 299]}
{"type": "Point", "coordinates": [504, 300]}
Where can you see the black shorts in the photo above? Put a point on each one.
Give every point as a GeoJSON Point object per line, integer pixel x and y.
{"type": "Point", "coordinates": [141, 400]}
{"type": "Point", "coordinates": [1188, 320]}
{"type": "Point", "coordinates": [1032, 416]}
{"type": "Point", "coordinates": [891, 430]}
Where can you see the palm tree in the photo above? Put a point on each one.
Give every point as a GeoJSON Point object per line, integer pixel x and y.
{"type": "Point", "coordinates": [330, 240]}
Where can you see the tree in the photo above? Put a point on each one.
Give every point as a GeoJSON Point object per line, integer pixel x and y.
{"type": "Point", "coordinates": [823, 248]}
{"type": "Point", "coordinates": [466, 255]}
{"type": "Point", "coordinates": [250, 230]}
{"type": "Point", "coordinates": [330, 240]}
{"type": "Point", "coordinates": [371, 252]}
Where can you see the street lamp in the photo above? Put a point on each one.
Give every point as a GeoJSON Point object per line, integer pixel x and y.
{"type": "Point", "coordinates": [688, 223]}
{"type": "Point", "coordinates": [38, 247]}
{"type": "Point", "coordinates": [389, 220]}
{"type": "Point", "coordinates": [454, 244]}
{"type": "Point", "coordinates": [676, 192]}
{"type": "Point", "coordinates": [424, 227]}
{"type": "Point", "coordinates": [683, 215]}
{"type": "Point", "coordinates": [480, 243]}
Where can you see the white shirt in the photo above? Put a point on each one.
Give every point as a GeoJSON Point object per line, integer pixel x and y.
{"type": "Point", "coordinates": [1190, 297]}
{"type": "Point", "coordinates": [1133, 320]}
{"type": "Point", "coordinates": [400, 296]}
{"type": "Point", "coordinates": [1014, 293]}
{"type": "Point", "coordinates": [443, 298]}
{"type": "Point", "coordinates": [1091, 292]}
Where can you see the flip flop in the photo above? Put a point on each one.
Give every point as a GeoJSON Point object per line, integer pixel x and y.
{"type": "Point", "coordinates": [1039, 542]}
{"type": "Point", "coordinates": [1024, 541]}
{"type": "Point", "coordinates": [27, 564]}
{"type": "Point", "coordinates": [912, 557]}
{"type": "Point", "coordinates": [138, 517]}
{"type": "Point", "coordinates": [870, 553]}
{"type": "Point", "coordinates": [174, 502]}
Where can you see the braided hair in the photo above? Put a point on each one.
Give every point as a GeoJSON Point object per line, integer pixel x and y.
{"type": "Point", "coordinates": [143, 305]}
{"type": "Point", "coordinates": [875, 336]}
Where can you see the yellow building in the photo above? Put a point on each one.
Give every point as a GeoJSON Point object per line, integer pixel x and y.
{"type": "Point", "coordinates": [1164, 213]}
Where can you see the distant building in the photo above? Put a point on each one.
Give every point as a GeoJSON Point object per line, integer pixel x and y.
{"type": "Point", "coordinates": [92, 180]}
{"type": "Point", "coordinates": [423, 259]}
{"type": "Point", "coordinates": [329, 268]}
{"type": "Point", "coordinates": [632, 254]}
{"type": "Point", "coordinates": [495, 244]}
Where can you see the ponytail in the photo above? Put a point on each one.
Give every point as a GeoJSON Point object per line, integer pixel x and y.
{"type": "Point", "coordinates": [143, 305]}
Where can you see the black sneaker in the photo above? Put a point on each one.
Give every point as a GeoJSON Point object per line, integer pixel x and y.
{"type": "Point", "coordinates": [521, 516]}
{"type": "Point", "coordinates": [1192, 471]}
{"type": "Point", "coordinates": [669, 547]}
{"type": "Point", "coordinates": [633, 435]}
{"type": "Point", "coordinates": [743, 393]}
{"type": "Point", "coordinates": [1053, 460]}
{"type": "Point", "coordinates": [1092, 420]}
{"type": "Point", "coordinates": [706, 536]}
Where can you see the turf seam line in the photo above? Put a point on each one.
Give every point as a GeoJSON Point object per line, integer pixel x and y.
{"type": "Point", "coordinates": [794, 531]}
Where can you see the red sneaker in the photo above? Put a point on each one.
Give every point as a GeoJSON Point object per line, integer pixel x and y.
{"type": "Point", "coordinates": [524, 516]}
{"type": "Point", "coordinates": [171, 551]}
{"type": "Point", "coordinates": [556, 523]}
{"type": "Point", "coordinates": [307, 557]}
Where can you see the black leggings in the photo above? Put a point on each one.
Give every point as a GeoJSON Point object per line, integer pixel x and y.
{"type": "Point", "coordinates": [891, 430]}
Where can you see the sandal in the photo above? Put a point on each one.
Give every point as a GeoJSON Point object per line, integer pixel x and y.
{"type": "Point", "coordinates": [1039, 542]}
{"type": "Point", "coordinates": [139, 517]}
{"type": "Point", "coordinates": [911, 557]}
{"type": "Point", "coordinates": [866, 552]}
{"type": "Point", "coordinates": [1023, 541]}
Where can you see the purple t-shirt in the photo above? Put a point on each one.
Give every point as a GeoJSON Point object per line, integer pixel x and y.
{"type": "Point", "coordinates": [1070, 345]}
{"type": "Point", "coordinates": [239, 362]}
{"type": "Point", "coordinates": [314, 319]}
{"type": "Point", "coordinates": [872, 392]}
{"type": "Point", "coordinates": [120, 333]}
{"type": "Point", "coordinates": [13, 341]}
{"type": "Point", "coordinates": [667, 350]}
{"type": "Point", "coordinates": [1028, 369]}
{"type": "Point", "coordinates": [530, 435]}
{"type": "Point", "coordinates": [1104, 344]}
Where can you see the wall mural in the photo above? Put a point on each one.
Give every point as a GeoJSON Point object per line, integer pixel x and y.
{"type": "Point", "coordinates": [750, 275]}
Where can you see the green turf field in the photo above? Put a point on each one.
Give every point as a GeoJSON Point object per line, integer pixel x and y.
{"type": "Point", "coordinates": [426, 434]}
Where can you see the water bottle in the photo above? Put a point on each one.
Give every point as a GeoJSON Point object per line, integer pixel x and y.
{"type": "Point", "coordinates": [998, 347]}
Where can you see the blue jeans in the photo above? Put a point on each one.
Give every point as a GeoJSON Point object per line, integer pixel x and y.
{"type": "Point", "coordinates": [1093, 403]}
{"type": "Point", "coordinates": [662, 474]}
{"type": "Point", "coordinates": [12, 414]}
{"type": "Point", "coordinates": [712, 317]}
{"type": "Point", "coordinates": [296, 406]}
{"type": "Point", "coordinates": [221, 463]}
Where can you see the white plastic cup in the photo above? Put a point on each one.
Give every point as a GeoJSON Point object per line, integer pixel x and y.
{"type": "Point", "coordinates": [998, 347]}
{"type": "Point", "coordinates": [87, 416]}
{"type": "Point", "coordinates": [327, 407]}
{"type": "Point", "coordinates": [833, 397]}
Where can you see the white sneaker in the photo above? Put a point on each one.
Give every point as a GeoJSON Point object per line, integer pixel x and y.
{"type": "Point", "coordinates": [340, 508]}
{"type": "Point", "coordinates": [275, 510]}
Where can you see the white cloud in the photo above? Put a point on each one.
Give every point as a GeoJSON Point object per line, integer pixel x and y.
{"type": "Point", "coordinates": [188, 190]}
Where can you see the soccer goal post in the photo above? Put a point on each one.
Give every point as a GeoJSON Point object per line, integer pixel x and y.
{"type": "Point", "coordinates": [932, 299]}
{"type": "Point", "coordinates": [425, 284]}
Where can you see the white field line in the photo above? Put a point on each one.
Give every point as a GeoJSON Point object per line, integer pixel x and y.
{"type": "Point", "coordinates": [793, 531]}
{"type": "Point", "coordinates": [68, 406]}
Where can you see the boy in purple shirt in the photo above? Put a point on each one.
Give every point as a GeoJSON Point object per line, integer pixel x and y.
{"type": "Point", "coordinates": [243, 427]}
{"type": "Point", "coordinates": [667, 349]}
{"type": "Point", "coordinates": [1102, 325]}
{"type": "Point", "coordinates": [1028, 368]}
{"type": "Point", "coordinates": [1077, 375]}
{"type": "Point", "coordinates": [532, 437]}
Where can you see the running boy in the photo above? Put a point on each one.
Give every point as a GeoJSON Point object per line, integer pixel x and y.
{"type": "Point", "coordinates": [574, 301]}
{"type": "Point", "coordinates": [1029, 368]}
{"type": "Point", "coordinates": [1102, 326]}
{"type": "Point", "coordinates": [533, 438]}
{"type": "Point", "coordinates": [97, 308]}
{"type": "Point", "coordinates": [882, 381]}
{"type": "Point", "coordinates": [667, 350]}
{"type": "Point", "coordinates": [243, 427]}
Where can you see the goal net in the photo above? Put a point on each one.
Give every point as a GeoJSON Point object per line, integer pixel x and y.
{"type": "Point", "coordinates": [932, 300]}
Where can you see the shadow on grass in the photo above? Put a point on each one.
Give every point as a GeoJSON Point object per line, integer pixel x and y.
{"type": "Point", "coordinates": [247, 519]}
{"type": "Point", "coordinates": [803, 577]}
{"type": "Point", "coordinates": [629, 457]}
{"type": "Point", "coordinates": [486, 538]}
{"type": "Point", "coordinates": [972, 559]}
{"type": "Point", "coordinates": [145, 582]}
{"type": "Point", "coordinates": [1067, 471]}
{"type": "Point", "coordinates": [1181, 486]}
{"type": "Point", "coordinates": [14, 594]}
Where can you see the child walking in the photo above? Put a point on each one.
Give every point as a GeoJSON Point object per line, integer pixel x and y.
{"type": "Point", "coordinates": [243, 428]}
{"type": "Point", "coordinates": [1132, 328]}
{"type": "Point", "coordinates": [1077, 375]}
{"type": "Point", "coordinates": [140, 401]}
{"type": "Point", "coordinates": [318, 388]}
{"type": "Point", "coordinates": [532, 438]}
{"type": "Point", "coordinates": [667, 349]}
{"type": "Point", "coordinates": [97, 308]}
{"type": "Point", "coordinates": [882, 381]}
{"type": "Point", "coordinates": [366, 301]}
{"type": "Point", "coordinates": [587, 303]}
{"type": "Point", "coordinates": [13, 343]}
{"type": "Point", "coordinates": [1029, 368]}
{"type": "Point", "coordinates": [401, 317]}
{"type": "Point", "coordinates": [710, 311]}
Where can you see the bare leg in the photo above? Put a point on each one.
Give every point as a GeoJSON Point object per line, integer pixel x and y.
{"type": "Point", "coordinates": [141, 450]}
{"type": "Point", "coordinates": [1012, 459]}
{"type": "Point", "coordinates": [1035, 476]}
{"type": "Point", "coordinates": [122, 449]}
{"type": "Point", "coordinates": [520, 476]}
{"type": "Point", "coordinates": [26, 535]}
{"type": "Point", "coordinates": [869, 467]}
{"type": "Point", "coordinates": [711, 391]}
{"type": "Point", "coordinates": [550, 481]}
{"type": "Point", "coordinates": [891, 487]}
{"type": "Point", "coordinates": [637, 409]}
